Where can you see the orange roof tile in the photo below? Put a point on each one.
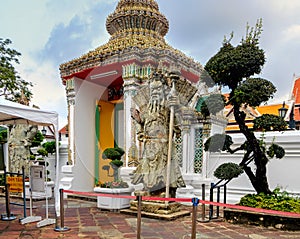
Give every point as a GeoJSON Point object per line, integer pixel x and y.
{"type": "Point", "coordinates": [296, 91]}
{"type": "Point", "coordinates": [252, 114]}
{"type": "Point", "coordinates": [64, 130]}
{"type": "Point", "coordinates": [270, 109]}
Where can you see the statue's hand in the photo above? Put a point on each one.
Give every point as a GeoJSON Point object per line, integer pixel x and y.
{"type": "Point", "coordinates": [173, 100]}
{"type": "Point", "coordinates": [140, 136]}
{"type": "Point", "coordinates": [135, 114]}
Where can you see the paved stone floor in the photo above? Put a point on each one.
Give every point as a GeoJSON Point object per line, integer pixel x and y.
{"type": "Point", "coordinates": [85, 220]}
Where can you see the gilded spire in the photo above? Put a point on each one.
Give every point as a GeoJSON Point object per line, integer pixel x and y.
{"type": "Point", "coordinates": [138, 16]}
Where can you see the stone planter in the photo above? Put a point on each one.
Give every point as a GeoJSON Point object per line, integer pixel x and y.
{"type": "Point", "coordinates": [40, 195]}
{"type": "Point", "coordinates": [113, 203]}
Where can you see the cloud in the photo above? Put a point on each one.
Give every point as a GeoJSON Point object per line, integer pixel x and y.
{"type": "Point", "coordinates": [48, 91]}
{"type": "Point", "coordinates": [292, 33]}
{"type": "Point", "coordinates": [198, 28]}
{"type": "Point", "coordinates": [70, 34]}
{"type": "Point", "coordinates": [49, 33]}
{"type": "Point", "coordinates": [78, 36]}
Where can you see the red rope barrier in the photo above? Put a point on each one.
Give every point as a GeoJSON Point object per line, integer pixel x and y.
{"type": "Point", "coordinates": [250, 209]}
{"type": "Point", "coordinates": [99, 194]}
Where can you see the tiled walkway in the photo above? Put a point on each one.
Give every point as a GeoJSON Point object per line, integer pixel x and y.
{"type": "Point", "coordinates": [85, 220]}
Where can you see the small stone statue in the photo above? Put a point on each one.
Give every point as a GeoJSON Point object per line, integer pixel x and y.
{"type": "Point", "coordinates": [19, 142]}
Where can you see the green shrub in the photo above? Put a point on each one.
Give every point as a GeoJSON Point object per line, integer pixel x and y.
{"type": "Point", "coordinates": [3, 135]}
{"type": "Point", "coordinates": [114, 154]}
{"type": "Point", "coordinates": [31, 157]}
{"type": "Point", "coordinates": [42, 152]}
{"type": "Point", "coordinates": [111, 153]}
{"type": "Point", "coordinates": [228, 171]}
{"type": "Point", "coordinates": [117, 162]}
{"type": "Point", "coordinates": [50, 147]}
{"type": "Point", "coordinates": [280, 201]}
{"type": "Point", "coordinates": [38, 138]}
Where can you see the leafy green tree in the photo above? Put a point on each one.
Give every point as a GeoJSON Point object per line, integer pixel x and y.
{"type": "Point", "coordinates": [12, 87]}
{"type": "Point", "coordinates": [234, 67]}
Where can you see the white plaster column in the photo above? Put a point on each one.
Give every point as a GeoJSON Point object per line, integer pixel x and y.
{"type": "Point", "coordinates": [70, 90]}
{"type": "Point", "coordinates": [130, 88]}
{"type": "Point", "coordinates": [67, 152]}
{"type": "Point", "coordinates": [206, 134]}
{"type": "Point", "coordinates": [185, 149]}
{"type": "Point", "coordinates": [187, 115]}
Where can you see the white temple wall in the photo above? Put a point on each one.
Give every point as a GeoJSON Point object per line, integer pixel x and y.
{"type": "Point", "coordinates": [283, 173]}
{"type": "Point", "coordinates": [83, 169]}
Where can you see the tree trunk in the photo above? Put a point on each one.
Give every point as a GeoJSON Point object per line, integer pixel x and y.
{"type": "Point", "coordinates": [258, 180]}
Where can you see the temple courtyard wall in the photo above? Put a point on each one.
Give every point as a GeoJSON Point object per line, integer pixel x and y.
{"type": "Point", "coordinates": [282, 173]}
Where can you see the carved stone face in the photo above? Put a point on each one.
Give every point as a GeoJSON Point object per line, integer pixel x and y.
{"type": "Point", "coordinates": [156, 91]}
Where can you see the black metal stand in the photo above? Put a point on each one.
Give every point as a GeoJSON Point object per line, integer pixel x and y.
{"type": "Point", "coordinates": [218, 187]}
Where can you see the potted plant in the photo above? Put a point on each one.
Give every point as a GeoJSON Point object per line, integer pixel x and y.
{"type": "Point", "coordinates": [114, 154]}
{"type": "Point", "coordinates": [113, 188]}
{"type": "Point", "coordinates": [117, 186]}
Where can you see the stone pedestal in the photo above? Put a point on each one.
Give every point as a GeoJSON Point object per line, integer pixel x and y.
{"type": "Point", "coordinates": [157, 209]}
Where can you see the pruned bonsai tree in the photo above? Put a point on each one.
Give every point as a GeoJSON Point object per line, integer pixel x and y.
{"type": "Point", "coordinates": [115, 155]}
{"type": "Point", "coordinates": [234, 67]}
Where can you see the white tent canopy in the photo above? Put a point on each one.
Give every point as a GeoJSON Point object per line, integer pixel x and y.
{"type": "Point", "coordinates": [14, 113]}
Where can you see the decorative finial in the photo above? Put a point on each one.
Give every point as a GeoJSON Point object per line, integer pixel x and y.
{"type": "Point", "coordinates": [160, 67]}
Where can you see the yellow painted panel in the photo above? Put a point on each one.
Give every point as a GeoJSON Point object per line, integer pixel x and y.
{"type": "Point", "coordinates": [106, 139]}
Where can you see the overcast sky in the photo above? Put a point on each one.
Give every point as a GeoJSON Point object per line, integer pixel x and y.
{"type": "Point", "coordinates": [50, 32]}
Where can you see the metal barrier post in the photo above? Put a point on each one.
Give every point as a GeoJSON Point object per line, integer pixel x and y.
{"type": "Point", "coordinates": [195, 202]}
{"type": "Point", "coordinates": [139, 216]}
{"type": "Point", "coordinates": [211, 198]}
{"type": "Point", "coordinates": [218, 200]}
{"type": "Point", "coordinates": [24, 192]}
{"type": "Point", "coordinates": [225, 192]}
{"type": "Point", "coordinates": [9, 216]}
{"type": "Point", "coordinates": [62, 227]}
{"type": "Point", "coordinates": [203, 206]}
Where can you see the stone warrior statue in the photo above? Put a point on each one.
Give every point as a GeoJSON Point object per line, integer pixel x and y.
{"type": "Point", "coordinates": [19, 142]}
{"type": "Point", "coordinates": [152, 122]}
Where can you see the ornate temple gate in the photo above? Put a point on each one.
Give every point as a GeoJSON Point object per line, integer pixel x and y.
{"type": "Point", "coordinates": [123, 65]}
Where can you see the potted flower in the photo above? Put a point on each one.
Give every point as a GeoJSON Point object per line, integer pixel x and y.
{"type": "Point", "coordinates": [117, 186]}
